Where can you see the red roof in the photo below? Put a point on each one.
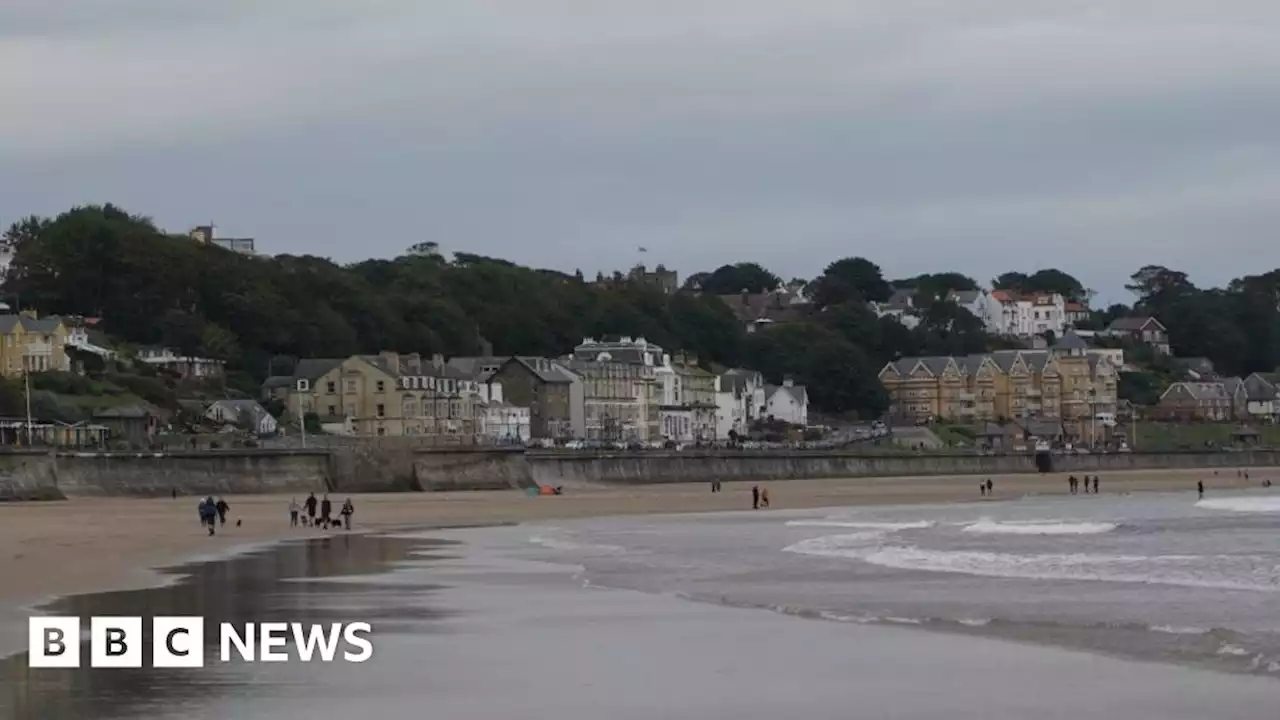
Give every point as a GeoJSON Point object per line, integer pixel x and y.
{"type": "Point", "coordinates": [1002, 295]}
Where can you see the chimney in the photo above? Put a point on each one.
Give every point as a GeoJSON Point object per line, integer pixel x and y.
{"type": "Point", "coordinates": [31, 314]}
{"type": "Point", "coordinates": [392, 359]}
{"type": "Point", "coordinates": [788, 382]}
{"type": "Point", "coordinates": [437, 361]}
{"type": "Point", "coordinates": [412, 364]}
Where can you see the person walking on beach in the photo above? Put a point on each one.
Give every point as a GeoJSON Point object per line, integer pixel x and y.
{"type": "Point", "coordinates": [347, 511]}
{"type": "Point", "coordinates": [222, 507]}
{"type": "Point", "coordinates": [764, 497]}
{"type": "Point", "coordinates": [311, 509]}
{"type": "Point", "coordinates": [294, 508]}
{"type": "Point", "coordinates": [990, 486]}
{"type": "Point", "coordinates": [326, 510]}
{"type": "Point", "coordinates": [209, 514]}
{"type": "Point", "coordinates": [1095, 484]}
{"type": "Point", "coordinates": [982, 488]}
{"type": "Point", "coordinates": [1200, 489]}
{"type": "Point", "coordinates": [755, 497]}
{"type": "Point", "coordinates": [1071, 484]}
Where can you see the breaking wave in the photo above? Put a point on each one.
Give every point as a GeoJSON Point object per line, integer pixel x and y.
{"type": "Point", "coordinates": [1039, 527]}
{"type": "Point", "coordinates": [1220, 572]}
{"type": "Point", "coordinates": [854, 525]}
{"type": "Point", "coordinates": [1243, 504]}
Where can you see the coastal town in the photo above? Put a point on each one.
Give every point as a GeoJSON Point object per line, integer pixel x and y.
{"type": "Point", "coordinates": [1051, 375]}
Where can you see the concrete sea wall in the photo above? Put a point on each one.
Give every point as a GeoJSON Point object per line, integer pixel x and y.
{"type": "Point", "coordinates": [37, 475]}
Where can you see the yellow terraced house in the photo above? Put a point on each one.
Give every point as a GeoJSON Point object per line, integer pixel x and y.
{"type": "Point", "coordinates": [1067, 383]}
{"type": "Point", "coordinates": [29, 343]}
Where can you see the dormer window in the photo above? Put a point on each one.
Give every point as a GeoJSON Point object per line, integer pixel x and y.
{"type": "Point", "coordinates": [304, 385]}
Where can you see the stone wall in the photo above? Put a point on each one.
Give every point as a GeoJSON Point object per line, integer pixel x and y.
{"type": "Point", "coordinates": [219, 472]}
{"type": "Point", "coordinates": [27, 475]}
{"type": "Point", "coordinates": [561, 468]}
{"type": "Point", "coordinates": [31, 475]}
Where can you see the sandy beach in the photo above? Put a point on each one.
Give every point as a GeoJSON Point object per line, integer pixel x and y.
{"type": "Point", "coordinates": [89, 545]}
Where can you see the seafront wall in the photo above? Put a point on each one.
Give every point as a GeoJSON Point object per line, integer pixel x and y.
{"type": "Point", "coordinates": [38, 475]}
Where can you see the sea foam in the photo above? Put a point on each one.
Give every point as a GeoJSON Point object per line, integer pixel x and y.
{"type": "Point", "coordinates": [1269, 504]}
{"type": "Point", "coordinates": [1217, 572]}
{"type": "Point", "coordinates": [1039, 527]}
{"type": "Point", "coordinates": [855, 525]}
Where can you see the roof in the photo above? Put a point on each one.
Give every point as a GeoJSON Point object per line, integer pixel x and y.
{"type": "Point", "coordinates": [247, 412]}
{"type": "Point", "coordinates": [797, 392]}
{"type": "Point", "coordinates": [545, 369]}
{"type": "Point", "coordinates": [9, 322]}
{"type": "Point", "coordinates": [1070, 341]}
{"type": "Point", "coordinates": [1134, 324]}
{"type": "Point", "coordinates": [277, 381]}
{"type": "Point", "coordinates": [1258, 388]}
{"type": "Point", "coordinates": [474, 366]}
{"type": "Point", "coordinates": [313, 368]}
{"type": "Point", "coordinates": [1003, 296]}
{"type": "Point", "coordinates": [1042, 428]}
{"type": "Point", "coordinates": [964, 297]}
{"type": "Point", "coordinates": [1199, 390]}
{"type": "Point", "coordinates": [1076, 306]}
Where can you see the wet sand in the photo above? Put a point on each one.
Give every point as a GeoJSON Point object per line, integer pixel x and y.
{"type": "Point", "coordinates": [87, 545]}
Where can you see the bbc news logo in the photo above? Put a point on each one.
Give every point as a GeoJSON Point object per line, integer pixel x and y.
{"type": "Point", "coordinates": [178, 642]}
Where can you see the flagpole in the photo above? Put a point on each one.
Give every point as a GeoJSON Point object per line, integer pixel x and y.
{"type": "Point", "coordinates": [26, 376]}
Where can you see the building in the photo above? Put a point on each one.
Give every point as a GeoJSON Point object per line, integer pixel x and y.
{"type": "Point", "coordinates": [740, 401]}
{"type": "Point", "coordinates": [187, 366]}
{"type": "Point", "coordinates": [901, 306]}
{"type": "Point", "coordinates": [384, 394]}
{"type": "Point", "coordinates": [1077, 312]}
{"type": "Point", "coordinates": [135, 424]}
{"type": "Point", "coordinates": [1196, 401]}
{"type": "Point", "coordinates": [622, 390]}
{"type": "Point", "coordinates": [78, 337]}
{"type": "Point", "coordinates": [1068, 383]}
{"type": "Point", "coordinates": [983, 305]}
{"type": "Point", "coordinates": [1258, 399]}
{"type": "Point", "coordinates": [668, 281]}
{"type": "Point", "coordinates": [553, 393]}
{"type": "Point", "coordinates": [688, 407]}
{"type": "Point", "coordinates": [1031, 315]}
{"type": "Point", "coordinates": [1145, 329]}
{"type": "Point", "coordinates": [29, 343]}
{"type": "Point", "coordinates": [760, 310]}
{"type": "Point", "coordinates": [787, 402]}
{"type": "Point", "coordinates": [246, 414]}
{"type": "Point", "coordinates": [207, 235]}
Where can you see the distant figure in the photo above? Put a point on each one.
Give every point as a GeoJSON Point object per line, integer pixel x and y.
{"type": "Point", "coordinates": [175, 493]}
{"type": "Point", "coordinates": [990, 486]}
{"type": "Point", "coordinates": [1266, 483]}
{"type": "Point", "coordinates": [982, 489]}
{"type": "Point", "coordinates": [1200, 488]}
{"type": "Point", "coordinates": [347, 511]}
{"type": "Point", "coordinates": [1246, 474]}
{"type": "Point", "coordinates": [1095, 484]}
{"type": "Point", "coordinates": [755, 497]}
{"type": "Point", "coordinates": [222, 508]}
{"type": "Point", "coordinates": [764, 497]}
{"type": "Point", "coordinates": [1072, 484]}
{"type": "Point", "coordinates": [294, 509]}
{"type": "Point", "coordinates": [326, 510]}
{"type": "Point", "coordinates": [311, 509]}
{"type": "Point", "coordinates": [209, 514]}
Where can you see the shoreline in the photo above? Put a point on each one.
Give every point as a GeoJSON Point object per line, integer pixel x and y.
{"type": "Point", "coordinates": [89, 546]}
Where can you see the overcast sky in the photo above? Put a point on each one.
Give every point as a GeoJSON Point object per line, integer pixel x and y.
{"type": "Point", "coordinates": [927, 135]}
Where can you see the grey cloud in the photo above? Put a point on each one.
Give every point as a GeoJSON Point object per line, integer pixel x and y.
{"type": "Point", "coordinates": [984, 135]}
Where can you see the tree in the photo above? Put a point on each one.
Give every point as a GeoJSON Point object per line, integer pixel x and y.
{"type": "Point", "coordinates": [1050, 280]}
{"type": "Point", "coordinates": [733, 279]}
{"type": "Point", "coordinates": [839, 376]}
{"type": "Point", "coordinates": [936, 286]}
{"type": "Point", "coordinates": [856, 279]}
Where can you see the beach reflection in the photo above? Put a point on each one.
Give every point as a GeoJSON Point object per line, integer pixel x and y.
{"type": "Point", "coordinates": [323, 580]}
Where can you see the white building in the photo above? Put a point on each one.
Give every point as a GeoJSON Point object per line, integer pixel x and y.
{"type": "Point", "coordinates": [687, 405]}
{"type": "Point", "coordinates": [78, 338]}
{"type": "Point", "coordinates": [983, 305]}
{"type": "Point", "coordinates": [247, 414]}
{"type": "Point", "coordinates": [504, 422]}
{"type": "Point", "coordinates": [740, 401]}
{"type": "Point", "coordinates": [787, 402]}
{"type": "Point", "coordinates": [901, 307]}
{"type": "Point", "coordinates": [188, 366]}
{"type": "Point", "coordinates": [1032, 315]}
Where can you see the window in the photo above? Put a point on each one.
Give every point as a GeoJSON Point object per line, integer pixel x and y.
{"type": "Point", "coordinates": [351, 386]}
{"type": "Point", "coordinates": [331, 387]}
{"type": "Point", "coordinates": [381, 385]}
{"type": "Point", "coordinates": [303, 385]}
{"type": "Point", "coordinates": [381, 431]}
{"type": "Point", "coordinates": [380, 410]}
{"type": "Point", "coordinates": [333, 410]}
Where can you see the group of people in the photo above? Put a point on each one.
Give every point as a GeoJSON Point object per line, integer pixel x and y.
{"type": "Point", "coordinates": [986, 487]}
{"type": "Point", "coordinates": [325, 519]}
{"type": "Point", "coordinates": [1074, 484]}
{"type": "Point", "coordinates": [213, 513]}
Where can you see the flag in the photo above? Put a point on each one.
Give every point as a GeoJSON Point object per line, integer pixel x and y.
{"type": "Point", "coordinates": [644, 249]}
